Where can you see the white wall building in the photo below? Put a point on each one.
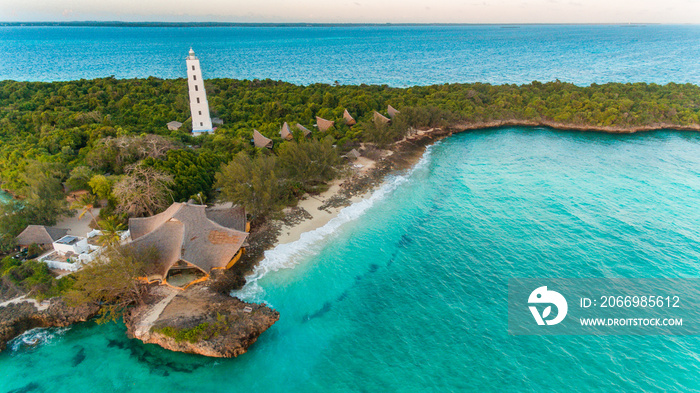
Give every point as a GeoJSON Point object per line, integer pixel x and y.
{"type": "Point", "coordinates": [201, 120]}
{"type": "Point", "coordinates": [70, 253]}
{"type": "Point", "coordinates": [74, 244]}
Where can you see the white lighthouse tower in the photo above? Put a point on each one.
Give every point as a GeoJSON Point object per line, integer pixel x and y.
{"type": "Point", "coordinates": [201, 121]}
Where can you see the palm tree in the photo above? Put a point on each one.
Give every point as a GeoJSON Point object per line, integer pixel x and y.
{"type": "Point", "coordinates": [85, 203]}
{"type": "Point", "coordinates": [111, 231]}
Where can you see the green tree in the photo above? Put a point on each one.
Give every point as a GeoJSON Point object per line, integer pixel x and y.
{"type": "Point", "coordinates": [251, 183]}
{"type": "Point", "coordinates": [30, 277]}
{"type": "Point", "coordinates": [309, 162]}
{"type": "Point", "coordinates": [34, 250]}
{"type": "Point", "coordinates": [378, 132]}
{"type": "Point", "coordinates": [112, 281]}
{"type": "Point", "coordinates": [79, 178]}
{"type": "Point", "coordinates": [44, 199]}
{"type": "Point", "coordinates": [13, 219]}
{"type": "Point", "coordinates": [101, 186]}
{"type": "Point", "coordinates": [193, 172]}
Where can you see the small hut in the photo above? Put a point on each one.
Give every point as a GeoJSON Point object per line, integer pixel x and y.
{"type": "Point", "coordinates": [353, 154]}
{"type": "Point", "coordinates": [285, 132]}
{"type": "Point", "coordinates": [392, 111]}
{"type": "Point", "coordinates": [39, 234]}
{"type": "Point", "coordinates": [323, 124]}
{"type": "Point", "coordinates": [348, 119]}
{"type": "Point", "coordinates": [378, 117]}
{"type": "Point", "coordinates": [260, 140]}
{"type": "Point", "coordinates": [174, 125]}
{"type": "Point", "coordinates": [306, 131]}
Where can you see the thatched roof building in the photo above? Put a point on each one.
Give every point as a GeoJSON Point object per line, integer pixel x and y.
{"type": "Point", "coordinates": [229, 216]}
{"type": "Point", "coordinates": [174, 125]}
{"type": "Point", "coordinates": [40, 235]}
{"type": "Point", "coordinates": [392, 111]}
{"type": "Point", "coordinates": [261, 141]}
{"type": "Point", "coordinates": [285, 132]}
{"type": "Point", "coordinates": [192, 236]}
{"type": "Point", "coordinates": [306, 131]}
{"type": "Point", "coordinates": [349, 120]}
{"type": "Point", "coordinates": [353, 154]}
{"type": "Point", "coordinates": [323, 124]}
{"type": "Point", "coordinates": [381, 118]}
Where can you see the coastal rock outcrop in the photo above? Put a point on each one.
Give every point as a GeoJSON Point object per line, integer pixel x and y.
{"type": "Point", "coordinates": [18, 317]}
{"type": "Point", "coordinates": [201, 321]}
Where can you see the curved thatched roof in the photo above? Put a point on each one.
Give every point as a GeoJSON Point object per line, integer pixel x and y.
{"type": "Point", "coordinates": [228, 216]}
{"type": "Point", "coordinates": [323, 124]}
{"type": "Point", "coordinates": [185, 232]}
{"type": "Point", "coordinates": [303, 129]}
{"type": "Point", "coordinates": [392, 111]}
{"type": "Point", "coordinates": [260, 140]}
{"type": "Point", "coordinates": [379, 117]}
{"type": "Point", "coordinates": [40, 234]}
{"type": "Point", "coordinates": [348, 119]}
{"type": "Point", "coordinates": [285, 132]}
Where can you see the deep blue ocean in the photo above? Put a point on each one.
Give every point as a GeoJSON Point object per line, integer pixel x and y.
{"type": "Point", "coordinates": [397, 56]}
{"type": "Point", "coordinates": [406, 291]}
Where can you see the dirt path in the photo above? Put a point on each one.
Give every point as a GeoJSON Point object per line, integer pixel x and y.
{"type": "Point", "coordinates": [22, 299]}
{"type": "Point", "coordinates": [143, 327]}
{"type": "Point", "coordinates": [78, 226]}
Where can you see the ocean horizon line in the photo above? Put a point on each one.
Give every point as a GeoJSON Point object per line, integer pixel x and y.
{"type": "Point", "coordinates": [89, 23]}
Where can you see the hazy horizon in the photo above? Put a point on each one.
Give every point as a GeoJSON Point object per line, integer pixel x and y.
{"type": "Point", "coordinates": [358, 11]}
{"type": "Point", "coordinates": [190, 22]}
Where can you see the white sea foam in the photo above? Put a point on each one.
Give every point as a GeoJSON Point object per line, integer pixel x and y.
{"type": "Point", "coordinates": [35, 337]}
{"type": "Point", "coordinates": [287, 256]}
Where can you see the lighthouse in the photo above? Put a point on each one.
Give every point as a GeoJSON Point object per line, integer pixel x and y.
{"type": "Point", "coordinates": [201, 121]}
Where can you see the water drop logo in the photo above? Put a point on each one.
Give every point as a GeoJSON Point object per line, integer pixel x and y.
{"type": "Point", "coordinates": [542, 296]}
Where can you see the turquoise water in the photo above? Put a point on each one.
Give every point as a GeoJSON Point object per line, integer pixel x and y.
{"type": "Point", "coordinates": [393, 55]}
{"type": "Point", "coordinates": [407, 291]}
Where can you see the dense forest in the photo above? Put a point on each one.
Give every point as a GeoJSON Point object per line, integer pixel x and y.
{"type": "Point", "coordinates": [108, 136]}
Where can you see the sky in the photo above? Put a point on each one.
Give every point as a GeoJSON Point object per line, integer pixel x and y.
{"type": "Point", "coordinates": [356, 11]}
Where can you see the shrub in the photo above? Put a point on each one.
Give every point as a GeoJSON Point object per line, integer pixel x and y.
{"type": "Point", "coordinates": [203, 331]}
{"type": "Point", "coordinates": [34, 250]}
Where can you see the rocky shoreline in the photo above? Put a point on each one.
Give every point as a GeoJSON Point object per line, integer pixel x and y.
{"type": "Point", "coordinates": [460, 127]}
{"type": "Point", "coordinates": [16, 318]}
{"type": "Point", "coordinates": [199, 321]}
{"type": "Point", "coordinates": [228, 325]}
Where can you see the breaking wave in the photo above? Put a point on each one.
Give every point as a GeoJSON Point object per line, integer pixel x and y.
{"type": "Point", "coordinates": [287, 256]}
{"type": "Point", "coordinates": [35, 337]}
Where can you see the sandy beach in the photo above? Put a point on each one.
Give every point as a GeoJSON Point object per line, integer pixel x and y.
{"type": "Point", "coordinates": [317, 205]}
